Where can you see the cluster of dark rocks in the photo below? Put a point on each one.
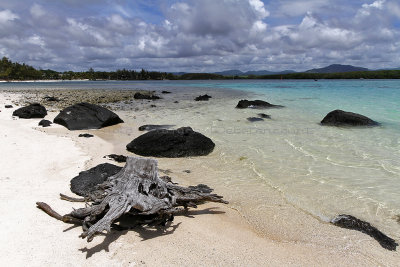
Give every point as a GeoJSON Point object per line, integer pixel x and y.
{"type": "Point", "coordinates": [145, 96]}
{"type": "Point", "coordinates": [202, 98]}
{"type": "Point", "coordinates": [333, 118]}
{"type": "Point", "coordinates": [159, 141]}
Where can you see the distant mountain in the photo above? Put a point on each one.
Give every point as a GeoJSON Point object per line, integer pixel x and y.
{"type": "Point", "coordinates": [337, 68]}
{"type": "Point", "coordinates": [178, 73]}
{"type": "Point", "coordinates": [252, 72]}
{"type": "Point", "coordinates": [389, 69]}
{"type": "Point", "coordinates": [229, 72]}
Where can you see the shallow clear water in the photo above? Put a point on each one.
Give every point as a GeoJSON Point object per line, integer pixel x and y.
{"type": "Point", "coordinates": [321, 170]}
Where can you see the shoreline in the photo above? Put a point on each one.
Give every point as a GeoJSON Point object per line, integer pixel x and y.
{"type": "Point", "coordinates": [192, 238]}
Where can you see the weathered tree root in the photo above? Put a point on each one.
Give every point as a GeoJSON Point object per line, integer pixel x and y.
{"type": "Point", "coordinates": [135, 191]}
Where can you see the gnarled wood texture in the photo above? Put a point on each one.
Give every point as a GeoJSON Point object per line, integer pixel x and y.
{"type": "Point", "coordinates": [136, 191]}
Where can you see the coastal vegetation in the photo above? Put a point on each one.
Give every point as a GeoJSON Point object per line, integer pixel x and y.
{"type": "Point", "coordinates": [13, 71]}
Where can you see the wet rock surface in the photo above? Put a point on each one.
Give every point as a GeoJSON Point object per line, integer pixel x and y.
{"type": "Point", "coordinates": [260, 104]}
{"type": "Point", "coordinates": [343, 118]}
{"type": "Point", "coordinates": [254, 119]}
{"type": "Point", "coordinates": [351, 222]}
{"type": "Point", "coordinates": [202, 98]}
{"type": "Point", "coordinates": [264, 116]}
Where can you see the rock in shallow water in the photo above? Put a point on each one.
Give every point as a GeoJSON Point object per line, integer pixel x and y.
{"type": "Point", "coordinates": [256, 104]}
{"type": "Point", "coordinates": [32, 111]}
{"type": "Point", "coordinates": [84, 116]}
{"type": "Point", "coordinates": [344, 118]}
{"type": "Point", "coordinates": [351, 222]}
{"type": "Point", "coordinates": [264, 116]}
{"type": "Point", "coordinates": [254, 119]}
{"type": "Point", "coordinates": [183, 142]}
{"type": "Point", "coordinates": [146, 96]}
{"type": "Point", "coordinates": [202, 98]}
{"type": "Point", "coordinates": [85, 182]}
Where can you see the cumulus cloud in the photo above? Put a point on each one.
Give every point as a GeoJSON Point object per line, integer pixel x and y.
{"type": "Point", "coordinates": [200, 35]}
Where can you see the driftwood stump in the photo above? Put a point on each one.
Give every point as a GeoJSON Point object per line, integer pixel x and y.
{"type": "Point", "coordinates": [135, 191]}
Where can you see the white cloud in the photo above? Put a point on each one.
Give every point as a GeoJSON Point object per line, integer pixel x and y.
{"type": "Point", "coordinates": [258, 6]}
{"type": "Point", "coordinates": [37, 11]}
{"type": "Point", "coordinates": [36, 40]}
{"type": "Point", "coordinates": [203, 35]}
{"type": "Point", "coordinates": [7, 15]}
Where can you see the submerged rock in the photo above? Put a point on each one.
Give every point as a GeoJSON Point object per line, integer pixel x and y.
{"type": "Point", "coordinates": [117, 158]}
{"type": "Point", "coordinates": [86, 135]}
{"type": "Point", "coordinates": [85, 116]}
{"type": "Point", "coordinates": [165, 92]}
{"type": "Point", "coordinates": [85, 182]}
{"type": "Point", "coordinates": [351, 222]}
{"type": "Point", "coordinates": [32, 111]}
{"type": "Point", "coordinates": [183, 142]}
{"type": "Point", "coordinates": [344, 118]}
{"type": "Point", "coordinates": [256, 104]}
{"type": "Point", "coordinates": [150, 127]}
{"type": "Point", "coordinates": [264, 116]}
{"type": "Point", "coordinates": [45, 123]}
{"type": "Point", "coordinates": [202, 98]}
{"type": "Point", "coordinates": [254, 119]}
{"type": "Point", "coordinates": [145, 96]}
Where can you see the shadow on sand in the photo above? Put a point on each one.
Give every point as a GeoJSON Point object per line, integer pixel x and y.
{"type": "Point", "coordinates": [145, 232]}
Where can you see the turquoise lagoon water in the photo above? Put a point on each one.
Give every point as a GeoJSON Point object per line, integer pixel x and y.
{"type": "Point", "coordinates": [324, 171]}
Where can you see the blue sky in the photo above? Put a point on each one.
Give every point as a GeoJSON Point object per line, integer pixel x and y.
{"type": "Point", "coordinates": [200, 35]}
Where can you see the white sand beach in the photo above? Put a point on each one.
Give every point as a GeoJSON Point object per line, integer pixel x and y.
{"type": "Point", "coordinates": [38, 163]}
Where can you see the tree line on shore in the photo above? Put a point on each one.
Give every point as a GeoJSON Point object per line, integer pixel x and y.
{"type": "Point", "coordinates": [10, 71]}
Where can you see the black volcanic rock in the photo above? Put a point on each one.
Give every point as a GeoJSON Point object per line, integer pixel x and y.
{"type": "Point", "coordinates": [202, 98]}
{"type": "Point", "coordinates": [8, 106]}
{"type": "Point", "coordinates": [86, 135]}
{"type": "Point", "coordinates": [85, 116]}
{"type": "Point", "coordinates": [351, 222]}
{"type": "Point", "coordinates": [165, 92]}
{"type": "Point", "coordinates": [145, 96]}
{"type": "Point", "coordinates": [85, 182]}
{"type": "Point", "coordinates": [256, 104]}
{"type": "Point", "coordinates": [150, 127]}
{"type": "Point", "coordinates": [45, 123]}
{"type": "Point", "coordinates": [32, 111]}
{"type": "Point", "coordinates": [183, 142]}
{"type": "Point", "coordinates": [254, 119]}
{"type": "Point", "coordinates": [264, 116]}
{"type": "Point", "coordinates": [117, 158]}
{"type": "Point", "coordinates": [344, 118]}
{"type": "Point", "coordinates": [51, 99]}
